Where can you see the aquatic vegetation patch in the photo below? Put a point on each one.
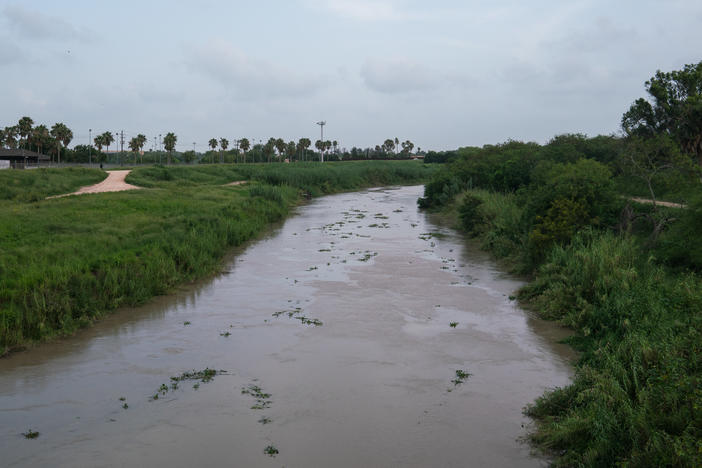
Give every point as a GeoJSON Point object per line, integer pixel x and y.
{"type": "Point", "coordinates": [271, 451]}
{"type": "Point", "coordinates": [204, 376]}
{"type": "Point", "coordinates": [453, 324]}
{"type": "Point", "coordinates": [296, 314]}
{"type": "Point", "coordinates": [30, 434]}
{"type": "Point", "coordinates": [461, 376]}
{"type": "Point", "coordinates": [262, 398]}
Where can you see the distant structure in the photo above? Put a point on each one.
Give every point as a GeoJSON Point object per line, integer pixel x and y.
{"type": "Point", "coordinates": [22, 159]}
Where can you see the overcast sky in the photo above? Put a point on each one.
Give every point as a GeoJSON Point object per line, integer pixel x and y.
{"type": "Point", "coordinates": [443, 74]}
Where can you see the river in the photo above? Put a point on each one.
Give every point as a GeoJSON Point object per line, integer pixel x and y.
{"type": "Point", "coordinates": [357, 334]}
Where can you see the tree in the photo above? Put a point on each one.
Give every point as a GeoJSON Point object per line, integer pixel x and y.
{"type": "Point", "coordinates": [269, 148]}
{"type": "Point", "coordinates": [224, 144]}
{"type": "Point", "coordinates": [244, 145]}
{"type": "Point", "coordinates": [107, 139]}
{"type": "Point", "coordinates": [11, 136]}
{"type": "Point", "coordinates": [407, 147]}
{"type": "Point", "coordinates": [213, 145]}
{"type": "Point", "coordinates": [142, 141]}
{"type": "Point", "coordinates": [335, 144]}
{"type": "Point", "coordinates": [62, 134]}
{"type": "Point", "coordinates": [675, 109]}
{"type": "Point", "coordinates": [40, 135]}
{"type": "Point", "coordinates": [388, 145]}
{"type": "Point", "coordinates": [397, 143]}
{"type": "Point", "coordinates": [99, 141]}
{"type": "Point", "coordinates": [280, 145]}
{"type": "Point", "coordinates": [319, 144]}
{"type": "Point", "coordinates": [169, 142]}
{"type": "Point", "coordinates": [303, 144]}
{"type": "Point", "coordinates": [134, 146]}
{"type": "Point", "coordinates": [290, 150]}
{"type": "Point", "coordinates": [24, 128]}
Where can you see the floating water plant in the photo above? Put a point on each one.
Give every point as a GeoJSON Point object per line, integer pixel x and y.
{"type": "Point", "coordinates": [453, 324]}
{"type": "Point", "coordinates": [271, 451]}
{"type": "Point", "coordinates": [30, 434]}
{"type": "Point", "coordinates": [461, 376]}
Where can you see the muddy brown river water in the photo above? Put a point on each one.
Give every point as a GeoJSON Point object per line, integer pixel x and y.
{"type": "Point", "coordinates": [335, 332]}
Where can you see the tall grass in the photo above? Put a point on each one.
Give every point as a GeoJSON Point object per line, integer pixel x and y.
{"type": "Point", "coordinates": [636, 399]}
{"type": "Point", "coordinates": [67, 261]}
{"type": "Point", "coordinates": [37, 184]}
{"type": "Point", "coordinates": [637, 396]}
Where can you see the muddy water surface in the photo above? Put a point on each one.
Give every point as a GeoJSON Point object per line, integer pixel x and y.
{"type": "Point", "coordinates": [335, 336]}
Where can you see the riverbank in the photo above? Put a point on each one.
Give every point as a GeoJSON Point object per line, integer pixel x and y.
{"type": "Point", "coordinates": [68, 261]}
{"type": "Point", "coordinates": [356, 332]}
{"type": "Point", "coordinates": [635, 399]}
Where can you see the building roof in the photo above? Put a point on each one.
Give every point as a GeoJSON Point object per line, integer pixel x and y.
{"type": "Point", "coordinates": [21, 154]}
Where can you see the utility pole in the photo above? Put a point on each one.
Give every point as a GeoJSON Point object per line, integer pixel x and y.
{"type": "Point", "coordinates": [90, 147]}
{"type": "Point", "coordinates": [159, 148]}
{"type": "Point", "coordinates": [121, 146]}
{"type": "Point", "coordinates": [321, 124]}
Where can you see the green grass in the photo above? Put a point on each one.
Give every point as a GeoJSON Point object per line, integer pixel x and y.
{"type": "Point", "coordinates": [636, 399]}
{"type": "Point", "coordinates": [37, 184]}
{"type": "Point", "coordinates": [66, 262]}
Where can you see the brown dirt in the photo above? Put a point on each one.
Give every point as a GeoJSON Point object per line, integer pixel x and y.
{"type": "Point", "coordinates": [113, 183]}
{"type": "Point", "coordinates": [661, 203]}
{"type": "Point", "coordinates": [237, 182]}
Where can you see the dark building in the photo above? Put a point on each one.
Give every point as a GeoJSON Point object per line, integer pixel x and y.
{"type": "Point", "coordinates": [20, 159]}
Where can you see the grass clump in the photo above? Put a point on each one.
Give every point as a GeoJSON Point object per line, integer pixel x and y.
{"type": "Point", "coordinates": [37, 184]}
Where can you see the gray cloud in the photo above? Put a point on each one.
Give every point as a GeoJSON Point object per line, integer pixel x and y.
{"type": "Point", "coordinates": [249, 77]}
{"type": "Point", "coordinates": [397, 76]}
{"type": "Point", "coordinates": [9, 53]}
{"type": "Point", "coordinates": [32, 24]}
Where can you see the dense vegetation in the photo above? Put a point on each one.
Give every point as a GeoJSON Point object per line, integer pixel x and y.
{"type": "Point", "coordinates": [67, 261]}
{"type": "Point", "coordinates": [41, 183]}
{"type": "Point", "coordinates": [625, 276]}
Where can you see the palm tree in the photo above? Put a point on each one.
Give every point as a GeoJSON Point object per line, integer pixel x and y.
{"type": "Point", "coordinates": [303, 144]}
{"type": "Point", "coordinates": [134, 146]}
{"type": "Point", "coordinates": [269, 148]}
{"type": "Point", "coordinates": [24, 128]}
{"type": "Point", "coordinates": [99, 142]}
{"type": "Point", "coordinates": [169, 142]}
{"type": "Point", "coordinates": [335, 144]}
{"type": "Point", "coordinates": [224, 144]}
{"type": "Point", "coordinates": [62, 134]}
{"type": "Point", "coordinates": [11, 136]}
{"type": "Point", "coordinates": [244, 145]}
{"type": "Point", "coordinates": [141, 139]}
{"type": "Point", "coordinates": [213, 145]}
{"type": "Point", "coordinates": [39, 136]}
{"type": "Point", "coordinates": [290, 150]}
{"type": "Point", "coordinates": [319, 144]}
{"type": "Point", "coordinates": [107, 139]}
{"type": "Point", "coordinates": [397, 143]}
{"type": "Point", "coordinates": [280, 146]}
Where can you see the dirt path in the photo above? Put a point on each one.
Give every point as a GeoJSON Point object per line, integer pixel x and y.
{"type": "Point", "coordinates": [113, 183]}
{"type": "Point", "coordinates": [661, 203]}
{"type": "Point", "coordinates": [237, 182]}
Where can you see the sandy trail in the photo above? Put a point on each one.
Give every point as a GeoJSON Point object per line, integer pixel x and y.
{"type": "Point", "coordinates": [661, 203]}
{"type": "Point", "coordinates": [113, 183]}
{"type": "Point", "coordinates": [237, 182]}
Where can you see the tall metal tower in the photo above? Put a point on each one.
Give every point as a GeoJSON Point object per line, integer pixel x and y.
{"type": "Point", "coordinates": [321, 150]}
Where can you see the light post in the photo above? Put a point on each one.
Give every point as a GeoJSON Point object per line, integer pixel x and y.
{"type": "Point", "coordinates": [321, 124]}
{"type": "Point", "coordinates": [90, 147]}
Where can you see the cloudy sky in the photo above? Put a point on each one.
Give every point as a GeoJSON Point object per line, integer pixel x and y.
{"type": "Point", "coordinates": [443, 74]}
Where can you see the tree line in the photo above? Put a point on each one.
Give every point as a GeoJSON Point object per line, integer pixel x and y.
{"type": "Point", "coordinates": [24, 135]}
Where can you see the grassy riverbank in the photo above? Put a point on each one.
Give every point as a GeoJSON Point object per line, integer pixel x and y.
{"type": "Point", "coordinates": [631, 292]}
{"type": "Point", "coordinates": [68, 261]}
